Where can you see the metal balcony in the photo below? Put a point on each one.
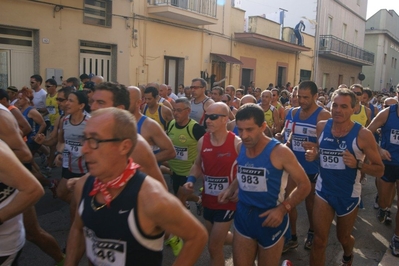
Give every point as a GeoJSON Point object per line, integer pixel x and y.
{"type": "Point", "coordinates": [196, 12]}
{"type": "Point", "coordinates": [337, 49]}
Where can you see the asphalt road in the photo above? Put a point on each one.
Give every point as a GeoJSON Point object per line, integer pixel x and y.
{"type": "Point", "coordinates": [372, 237]}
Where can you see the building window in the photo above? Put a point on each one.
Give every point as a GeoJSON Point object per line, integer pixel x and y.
{"type": "Point", "coordinates": [98, 58]}
{"type": "Point", "coordinates": [329, 25]}
{"type": "Point", "coordinates": [356, 36]}
{"type": "Point", "coordinates": [392, 62]}
{"type": "Point", "coordinates": [98, 12]}
{"type": "Point", "coordinates": [395, 62]}
{"type": "Point", "coordinates": [385, 59]}
{"type": "Point", "coordinates": [344, 31]}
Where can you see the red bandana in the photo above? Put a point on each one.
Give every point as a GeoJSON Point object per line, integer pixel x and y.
{"type": "Point", "coordinates": [118, 182]}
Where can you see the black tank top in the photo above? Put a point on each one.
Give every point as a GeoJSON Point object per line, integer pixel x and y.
{"type": "Point", "coordinates": [113, 235]}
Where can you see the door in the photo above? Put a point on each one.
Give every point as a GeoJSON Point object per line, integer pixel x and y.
{"type": "Point", "coordinates": [247, 76]}
{"type": "Point", "coordinates": [171, 72]}
{"type": "Point", "coordinates": [281, 76]}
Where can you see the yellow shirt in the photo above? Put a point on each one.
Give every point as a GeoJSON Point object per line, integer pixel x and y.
{"type": "Point", "coordinates": [360, 117]}
{"type": "Point", "coordinates": [52, 108]}
{"type": "Point", "coordinates": [269, 116]}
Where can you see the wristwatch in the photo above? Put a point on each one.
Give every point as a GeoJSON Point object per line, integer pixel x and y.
{"type": "Point", "coordinates": [287, 206]}
{"type": "Point", "coordinates": [359, 164]}
{"type": "Point", "coordinates": [56, 153]}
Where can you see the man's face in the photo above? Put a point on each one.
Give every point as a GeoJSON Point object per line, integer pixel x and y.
{"type": "Point", "coordinates": [61, 100]}
{"type": "Point", "coordinates": [239, 94]}
{"type": "Point", "coordinates": [196, 89]}
{"type": "Point", "coordinates": [294, 98]}
{"type": "Point", "coordinates": [257, 93]}
{"type": "Point", "coordinates": [225, 99]}
{"type": "Point", "coordinates": [102, 99]}
{"type": "Point", "coordinates": [249, 132]}
{"type": "Point", "coordinates": [266, 98]}
{"type": "Point", "coordinates": [163, 91]}
{"type": "Point", "coordinates": [341, 109]}
{"type": "Point", "coordinates": [365, 98]}
{"type": "Point", "coordinates": [169, 91]}
{"type": "Point", "coordinates": [180, 89]}
{"type": "Point", "coordinates": [12, 95]}
{"type": "Point", "coordinates": [150, 100]}
{"type": "Point", "coordinates": [216, 96]}
{"type": "Point", "coordinates": [181, 113]}
{"type": "Point", "coordinates": [34, 84]}
{"type": "Point", "coordinates": [50, 88]}
{"type": "Point", "coordinates": [359, 94]}
{"type": "Point", "coordinates": [187, 92]}
{"type": "Point", "coordinates": [101, 160]}
{"type": "Point", "coordinates": [249, 90]}
{"type": "Point", "coordinates": [305, 99]}
{"type": "Point", "coordinates": [274, 96]}
{"type": "Point", "coordinates": [219, 118]}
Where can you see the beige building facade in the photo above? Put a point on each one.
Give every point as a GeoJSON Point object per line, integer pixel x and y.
{"type": "Point", "coordinates": [341, 54]}
{"type": "Point", "coordinates": [382, 37]}
{"type": "Point", "coordinates": [136, 42]}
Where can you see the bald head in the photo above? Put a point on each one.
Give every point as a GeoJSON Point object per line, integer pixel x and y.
{"type": "Point", "coordinates": [135, 99]}
{"type": "Point", "coordinates": [247, 99]}
{"type": "Point", "coordinates": [218, 108]}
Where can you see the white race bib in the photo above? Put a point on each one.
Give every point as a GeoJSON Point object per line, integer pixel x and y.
{"type": "Point", "coordinates": [252, 179]}
{"type": "Point", "coordinates": [105, 252]}
{"type": "Point", "coordinates": [51, 110]}
{"type": "Point", "coordinates": [181, 153]}
{"type": "Point", "coordinates": [75, 148]}
{"type": "Point", "coordinates": [215, 185]}
{"type": "Point", "coordinates": [331, 159]}
{"type": "Point", "coordinates": [394, 137]}
{"type": "Point", "coordinates": [296, 143]}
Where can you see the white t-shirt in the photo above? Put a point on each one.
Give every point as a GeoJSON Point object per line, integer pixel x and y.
{"type": "Point", "coordinates": [173, 96]}
{"type": "Point", "coordinates": [39, 100]}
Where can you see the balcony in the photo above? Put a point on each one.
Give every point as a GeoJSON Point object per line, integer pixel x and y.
{"type": "Point", "coordinates": [337, 49]}
{"type": "Point", "coordinates": [195, 12]}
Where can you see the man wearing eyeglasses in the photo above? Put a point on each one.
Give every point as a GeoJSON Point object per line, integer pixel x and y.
{"type": "Point", "coordinates": [216, 161]}
{"type": "Point", "coordinates": [200, 101]}
{"type": "Point", "coordinates": [362, 114]}
{"type": "Point", "coordinates": [123, 212]}
{"type": "Point", "coordinates": [184, 133]}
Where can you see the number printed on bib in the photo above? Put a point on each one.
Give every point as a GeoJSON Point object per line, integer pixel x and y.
{"type": "Point", "coordinates": [215, 185]}
{"type": "Point", "coordinates": [51, 110]}
{"type": "Point", "coordinates": [394, 139]}
{"type": "Point", "coordinates": [74, 147]}
{"type": "Point", "coordinates": [104, 251]}
{"type": "Point", "coordinates": [332, 159]}
{"type": "Point", "coordinates": [252, 179]}
{"type": "Point", "coordinates": [297, 143]}
{"type": "Point", "coordinates": [181, 153]}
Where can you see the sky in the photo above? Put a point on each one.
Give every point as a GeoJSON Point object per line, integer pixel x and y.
{"type": "Point", "coordinates": [373, 6]}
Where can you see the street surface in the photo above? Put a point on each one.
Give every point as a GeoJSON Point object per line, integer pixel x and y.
{"type": "Point", "coordinates": [372, 237]}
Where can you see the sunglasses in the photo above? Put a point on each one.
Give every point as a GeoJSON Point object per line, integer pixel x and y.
{"type": "Point", "coordinates": [196, 87]}
{"type": "Point", "coordinates": [60, 99]}
{"type": "Point", "coordinates": [358, 93]}
{"type": "Point", "coordinates": [213, 116]}
{"type": "Point", "coordinates": [48, 86]}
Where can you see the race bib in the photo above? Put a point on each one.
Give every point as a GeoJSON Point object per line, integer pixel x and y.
{"type": "Point", "coordinates": [252, 179]}
{"type": "Point", "coordinates": [74, 147]}
{"type": "Point", "coordinates": [106, 252]}
{"type": "Point", "coordinates": [394, 137]}
{"type": "Point", "coordinates": [331, 159]}
{"type": "Point", "coordinates": [181, 153]}
{"type": "Point", "coordinates": [51, 110]}
{"type": "Point", "coordinates": [297, 143]}
{"type": "Point", "coordinates": [215, 185]}
{"type": "Point", "coordinates": [287, 133]}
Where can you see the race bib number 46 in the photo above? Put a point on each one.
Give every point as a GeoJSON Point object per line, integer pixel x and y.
{"type": "Point", "coordinates": [252, 179]}
{"type": "Point", "coordinates": [107, 252]}
{"type": "Point", "coordinates": [215, 185]}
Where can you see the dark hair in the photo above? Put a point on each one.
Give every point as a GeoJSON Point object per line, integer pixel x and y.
{"type": "Point", "coordinates": [89, 85]}
{"type": "Point", "coordinates": [119, 91]}
{"type": "Point", "coordinates": [240, 91]}
{"type": "Point", "coordinates": [228, 97]}
{"type": "Point", "coordinates": [52, 82]}
{"type": "Point", "coordinates": [66, 91]}
{"type": "Point", "coordinates": [84, 76]}
{"type": "Point", "coordinates": [345, 92]}
{"type": "Point", "coordinates": [310, 85]}
{"type": "Point", "coordinates": [37, 77]}
{"type": "Point", "coordinates": [12, 88]}
{"type": "Point", "coordinates": [4, 94]}
{"type": "Point", "coordinates": [154, 92]}
{"type": "Point", "coordinates": [181, 84]}
{"type": "Point", "coordinates": [204, 84]}
{"type": "Point", "coordinates": [368, 91]}
{"type": "Point", "coordinates": [278, 92]}
{"type": "Point", "coordinates": [220, 89]}
{"type": "Point", "coordinates": [82, 99]}
{"type": "Point", "coordinates": [251, 110]}
{"type": "Point", "coordinates": [357, 86]}
{"type": "Point", "coordinates": [74, 81]}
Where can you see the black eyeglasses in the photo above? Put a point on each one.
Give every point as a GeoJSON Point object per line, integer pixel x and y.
{"type": "Point", "coordinates": [178, 110]}
{"type": "Point", "coordinates": [93, 142]}
{"type": "Point", "coordinates": [224, 101]}
{"type": "Point", "coordinates": [213, 116]}
{"type": "Point", "coordinates": [32, 82]}
{"type": "Point", "coordinates": [48, 86]}
{"type": "Point", "coordinates": [195, 87]}
{"type": "Point", "coordinates": [358, 93]}
{"type": "Point", "coordinates": [60, 99]}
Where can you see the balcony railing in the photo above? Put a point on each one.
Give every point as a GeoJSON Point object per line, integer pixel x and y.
{"type": "Point", "coordinates": [203, 7]}
{"type": "Point", "coordinates": [333, 46]}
